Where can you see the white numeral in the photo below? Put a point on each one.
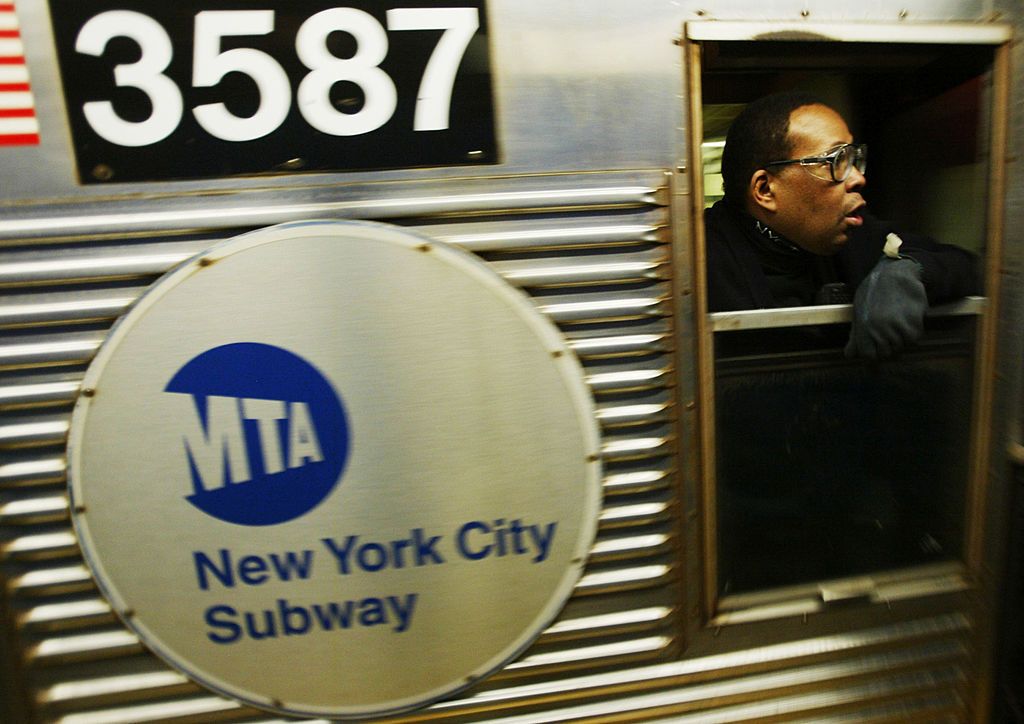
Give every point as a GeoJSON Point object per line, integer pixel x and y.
{"type": "Point", "coordinates": [210, 65]}
{"type": "Point", "coordinates": [435, 93]}
{"type": "Point", "coordinates": [146, 74]}
{"type": "Point", "coordinates": [380, 97]}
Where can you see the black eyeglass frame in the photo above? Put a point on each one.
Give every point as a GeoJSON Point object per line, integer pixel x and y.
{"type": "Point", "coordinates": [858, 161]}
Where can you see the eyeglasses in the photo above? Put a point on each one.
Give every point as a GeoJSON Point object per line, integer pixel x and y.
{"type": "Point", "coordinates": [840, 160]}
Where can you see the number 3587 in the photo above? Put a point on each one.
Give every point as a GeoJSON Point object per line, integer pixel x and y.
{"type": "Point", "coordinates": [210, 63]}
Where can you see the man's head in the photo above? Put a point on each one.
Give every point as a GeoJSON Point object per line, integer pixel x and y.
{"type": "Point", "coordinates": [814, 212]}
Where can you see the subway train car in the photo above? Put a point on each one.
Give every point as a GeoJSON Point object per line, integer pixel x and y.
{"type": "Point", "coordinates": [356, 363]}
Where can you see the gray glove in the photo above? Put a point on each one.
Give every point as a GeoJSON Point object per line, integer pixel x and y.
{"type": "Point", "coordinates": [888, 309]}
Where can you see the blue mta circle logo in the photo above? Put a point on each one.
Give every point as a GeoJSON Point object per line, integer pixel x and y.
{"type": "Point", "coordinates": [265, 435]}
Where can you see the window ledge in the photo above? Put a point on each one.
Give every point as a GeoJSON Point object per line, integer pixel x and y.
{"type": "Point", "coordinates": [823, 314]}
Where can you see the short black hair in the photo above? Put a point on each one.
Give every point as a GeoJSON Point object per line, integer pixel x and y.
{"type": "Point", "coordinates": [759, 135]}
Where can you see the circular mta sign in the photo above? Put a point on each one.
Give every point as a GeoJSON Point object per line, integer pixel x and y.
{"type": "Point", "coordinates": [335, 469]}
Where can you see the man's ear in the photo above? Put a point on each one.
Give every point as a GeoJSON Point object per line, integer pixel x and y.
{"type": "Point", "coordinates": [761, 192]}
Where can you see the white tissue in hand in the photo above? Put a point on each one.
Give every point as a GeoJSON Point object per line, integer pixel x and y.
{"type": "Point", "coordinates": [892, 246]}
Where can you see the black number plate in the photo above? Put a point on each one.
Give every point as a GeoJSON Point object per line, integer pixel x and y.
{"type": "Point", "coordinates": [187, 89]}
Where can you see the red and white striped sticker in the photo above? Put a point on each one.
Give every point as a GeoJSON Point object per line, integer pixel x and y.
{"type": "Point", "coordinates": [18, 123]}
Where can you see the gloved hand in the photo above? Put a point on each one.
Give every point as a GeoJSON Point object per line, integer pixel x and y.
{"type": "Point", "coordinates": [888, 309]}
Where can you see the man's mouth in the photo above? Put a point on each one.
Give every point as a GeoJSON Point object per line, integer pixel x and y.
{"type": "Point", "coordinates": [855, 217]}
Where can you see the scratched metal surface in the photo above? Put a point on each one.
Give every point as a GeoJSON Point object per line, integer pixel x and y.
{"type": "Point", "coordinates": [576, 216]}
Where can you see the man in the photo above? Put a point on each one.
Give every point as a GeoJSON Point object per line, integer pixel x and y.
{"type": "Point", "coordinates": [793, 227]}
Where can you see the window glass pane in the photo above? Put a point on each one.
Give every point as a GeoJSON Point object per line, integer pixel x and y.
{"type": "Point", "coordinates": [829, 468]}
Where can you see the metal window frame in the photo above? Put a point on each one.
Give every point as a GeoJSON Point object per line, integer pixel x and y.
{"type": "Point", "coordinates": [998, 35]}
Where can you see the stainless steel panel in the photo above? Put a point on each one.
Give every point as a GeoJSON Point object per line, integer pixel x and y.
{"type": "Point", "coordinates": [544, 61]}
{"type": "Point", "coordinates": [40, 391]}
{"type": "Point", "coordinates": [114, 686]}
{"type": "Point", "coordinates": [847, 31]}
{"type": "Point", "coordinates": [34, 431]}
{"type": "Point", "coordinates": [28, 310]}
{"type": "Point", "coordinates": [34, 510]}
{"type": "Point", "coordinates": [620, 344]}
{"type": "Point", "coordinates": [624, 606]}
{"type": "Point", "coordinates": [560, 66]}
{"type": "Point", "coordinates": [90, 265]}
{"type": "Point", "coordinates": [679, 685]}
{"type": "Point", "coordinates": [245, 209]}
{"type": "Point", "coordinates": [602, 81]}
{"type": "Point", "coordinates": [51, 581]}
{"type": "Point", "coordinates": [47, 350]}
{"type": "Point", "coordinates": [74, 614]}
{"type": "Point", "coordinates": [621, 269]}
{"type": "Point", "coordinates": [38, 546]}
{"type": "Point", "coordinates": [194, 709]}
{"type": "Point", "coordinates": [32, 469]}
{"type": "Point", "coordinates": [605, 307]}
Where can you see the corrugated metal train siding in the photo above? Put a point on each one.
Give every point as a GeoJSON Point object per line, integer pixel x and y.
{"type": "Point", "coordinates": [602, 275]}
{"type": "Point", "coordinates": [598, 262]}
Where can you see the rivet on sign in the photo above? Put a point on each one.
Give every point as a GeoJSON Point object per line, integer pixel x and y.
{"type": "Point", "coordinates": [79, 508]}
{"type": "Point", "coordinates": [691, 405]}
{"type": "Point", "coordinates": [128, 613]}
{"type": "Point", "coordinates": [205, 261]}
{"type": "Point", "coordinates": [903, 14]}
{"type": "Point", "coordinates": [102, 172]}
{"type": "Point", "coordinates": [804, 13]}
{"type": "Point", "coordinates": [424, 247]}
{"type": "Point", "coordinates": [277, 703]}
{"type": "Point", "coordinates": [88, 392]}
{"type": "Point", "coordinates": [593, 458]}
{"type": "Point", "coordinates": [557, 353]}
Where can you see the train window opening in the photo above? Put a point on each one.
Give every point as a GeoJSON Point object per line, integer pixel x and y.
{"type": "Point", "coordinates": [829, 468]}
{"type": "Point", "coordinates": [921, 109]}
{"type": "Point", "coordinates": [819, 468]}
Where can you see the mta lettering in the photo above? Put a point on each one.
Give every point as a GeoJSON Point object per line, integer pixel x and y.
{"type": "Point", "coordinates": [264, 434]}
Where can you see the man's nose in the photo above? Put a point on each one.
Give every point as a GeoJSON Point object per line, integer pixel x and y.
{"type": "Point", "coordinates": [856, 180]}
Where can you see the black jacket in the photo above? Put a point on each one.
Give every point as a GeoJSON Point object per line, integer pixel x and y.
{"type": "Point", "coordinates": [746, 271]}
